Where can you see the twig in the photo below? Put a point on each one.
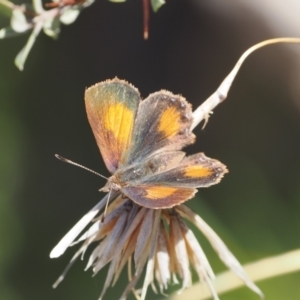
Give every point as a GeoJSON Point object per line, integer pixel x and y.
{"type": "Point", "coordinates": [203, 111]}
{"type": "Point", "coordinates": [267, 268]}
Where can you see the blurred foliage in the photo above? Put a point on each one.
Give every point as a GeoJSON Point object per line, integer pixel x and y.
{"type": "Point", "coordinates": [10, 168]}
{"type": "Point", "coordinates": [192, 46]}
{"type": "Point", "coordinates": [32, 17]}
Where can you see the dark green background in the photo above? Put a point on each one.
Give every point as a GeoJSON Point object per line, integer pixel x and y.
{"type": "Point", "coordinates": [255, 132]}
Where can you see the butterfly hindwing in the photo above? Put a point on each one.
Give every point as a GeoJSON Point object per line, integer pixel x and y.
{"type": "Point", "coordinates": [111, 108]}
{"type": "Point", "coordinates": [175, 185]}
{"type": "Point", "coordinates": [195, 171]}
{"type": "Point", "coordinates": [158, 196]}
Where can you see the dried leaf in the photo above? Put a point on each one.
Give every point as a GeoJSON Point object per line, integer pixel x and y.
{"type": "Point", "coordinates": [157, 4]}
{"type": "Point", "coordinates": [70, 15]}
{"type": "Point", "coordinates": [142, 246]}
{"type": "Point", "coordinates": [112, 241]}
{"type": "Point", "coordinates": [51, 27]}
{"type": "Point", "coordinates": [8, 32]}
{"type": "Point", "coordinates": [163, 274]}
{"type": "Point", "coordinates": [225, 255]}
{"type": "Point", "coordinates": [38, 6]}
{"type": "Point", "coordinates": [23, 54]}
{"type": "Point", "coordinates": [150, 265]}
{"type": "Point", "coordinates": [66, 241]}
{"type": "Point", "coordinates": [18, 21]}
{"type": "Point", "coordinates": [180, 251]}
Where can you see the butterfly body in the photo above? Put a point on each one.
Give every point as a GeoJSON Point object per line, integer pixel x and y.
{"type": "Point", "coordinates": [139, 172]}
{"type": "Point", "coordinates": [141, 142]}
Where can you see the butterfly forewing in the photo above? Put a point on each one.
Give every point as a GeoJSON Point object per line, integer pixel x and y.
{"type": "Point", "coordinates": [111, 108]}
{"type": "Point", "coordinates": [163, 123]}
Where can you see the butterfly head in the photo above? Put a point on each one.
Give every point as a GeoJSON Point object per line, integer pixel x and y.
{"type": "Point", "coordinates": [112, 184]}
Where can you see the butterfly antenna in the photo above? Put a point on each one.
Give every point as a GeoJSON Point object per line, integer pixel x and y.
{"type": "Point", "coordinates": [78, 165]}
{"type": "Point", "coordinates": [106, 206]}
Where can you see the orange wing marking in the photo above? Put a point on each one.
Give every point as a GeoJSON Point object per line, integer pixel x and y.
{"type": "Point", "coordinates": [119, 120]}
{"type": "Point", "coordinates": [169, 122]}
{"type": "Point", "coordinates": [159, 192]}
{"type": "Point", "coordinates": [197, 171]}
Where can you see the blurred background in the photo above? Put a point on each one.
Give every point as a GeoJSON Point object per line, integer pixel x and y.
{"type": "Point", "coordinates": [193, 44]}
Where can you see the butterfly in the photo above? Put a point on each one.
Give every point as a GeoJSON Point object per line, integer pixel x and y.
{"type": "Point", "coordinates": [141, 144]}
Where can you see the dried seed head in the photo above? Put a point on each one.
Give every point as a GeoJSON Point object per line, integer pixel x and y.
{"type": "Point", "coordinates": [158, 240]}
